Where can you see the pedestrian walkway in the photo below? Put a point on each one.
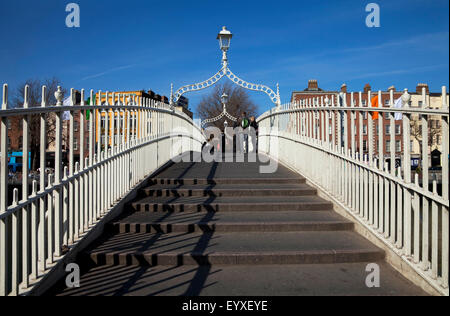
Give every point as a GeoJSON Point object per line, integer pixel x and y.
{"type": "Point", "coordinates": [226, 229]}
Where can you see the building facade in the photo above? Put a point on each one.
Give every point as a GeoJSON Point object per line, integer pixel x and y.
{"type": "Point", "coordinates": [366, 98]}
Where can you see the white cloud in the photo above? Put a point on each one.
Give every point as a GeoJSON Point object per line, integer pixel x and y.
{"type": "Point", "coordinates": [107, 72]}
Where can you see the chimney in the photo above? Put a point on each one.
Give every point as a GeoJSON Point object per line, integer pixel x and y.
{"type": "Point", "coordinates": [391, 88]}
{"type": "Point", "coordinates": [420, 86]}
{"type": "Point", "coordinates": [344, 88]}
{"type": "Point", "coordinates": [313, 85]}
{"type": "Point", "coordinates": [367, 88]}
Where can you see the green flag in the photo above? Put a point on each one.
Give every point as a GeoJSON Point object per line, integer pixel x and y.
{"type": "Point", "coordinates": [88, 112]}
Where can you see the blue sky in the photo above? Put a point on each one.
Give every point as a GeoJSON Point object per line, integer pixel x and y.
{"type": "Point", "coordinates": [130, 45]}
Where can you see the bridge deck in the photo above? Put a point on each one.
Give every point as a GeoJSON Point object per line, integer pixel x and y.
{"type": "Point", "coordinates": [226, 229]}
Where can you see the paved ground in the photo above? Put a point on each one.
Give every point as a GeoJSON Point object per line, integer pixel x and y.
{"type": "Point", "coordinates": [227, 229]}
{"type": "Point", "coordinates": [241, 280]}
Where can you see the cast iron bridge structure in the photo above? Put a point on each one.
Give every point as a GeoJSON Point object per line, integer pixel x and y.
{"type": "Point", "coordinates": [141, 213]}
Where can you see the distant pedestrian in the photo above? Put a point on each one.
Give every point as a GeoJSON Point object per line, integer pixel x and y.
{"type": "Point", "coordinates": [244, 124]}
{"type": "Point", "coordinates": [253, 134]}
{"type": "Point", "coordinates": [209, 144]}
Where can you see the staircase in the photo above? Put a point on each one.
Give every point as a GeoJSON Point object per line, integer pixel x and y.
{"type": "Point", "coordinates": [226, 229]}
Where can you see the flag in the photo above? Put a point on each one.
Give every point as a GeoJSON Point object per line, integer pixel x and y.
{"type": "Point", "coordinates": [398, 105]}
{"type": "Point", "coordinates": [88, 112]}
{"type": "Point", "coordinates": [375, 105]}
{"type": "Point", "coordinates": [66, 114]}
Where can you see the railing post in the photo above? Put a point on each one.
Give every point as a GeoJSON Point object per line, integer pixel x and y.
{"type": "Point", "coordinates": [15, 258]}
{"type": "Point", "coordinates": [445, 190]}
{"type": "Point", "coordinates": [58, 161]}
{"type": "Point", "coordinates": [25, 221]}
{"type": "Point", "coordinates": [4, 232]}
{"type": "Point", "coordinates": [425, 185]}
{"type": "Point", "coordinates": [407, 174]}
{"type": "Point", "coordinates": [42, 161]}
{"type": "Point", "coordinates": [71, 171]}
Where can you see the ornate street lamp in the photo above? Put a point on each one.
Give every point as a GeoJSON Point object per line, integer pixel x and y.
{"type": "Point", "coordinates": [224, 38]}
{"type": "Point", "coordinates": [224, 100]}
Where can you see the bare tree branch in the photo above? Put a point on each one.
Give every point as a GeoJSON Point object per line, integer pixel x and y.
{"type": "Point", "coordinates": [238, 101]}
{"type": "Point", "coordinates": [35, 99]}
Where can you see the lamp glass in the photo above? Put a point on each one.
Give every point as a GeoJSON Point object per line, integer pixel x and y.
{"type": "Point", "coordinates": [225, 41]}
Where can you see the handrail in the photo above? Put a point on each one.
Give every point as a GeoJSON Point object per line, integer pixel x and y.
{"type": "Point", "coordinates": [347, 158]}
{"type": "Point", "coordinates": [117, 151]}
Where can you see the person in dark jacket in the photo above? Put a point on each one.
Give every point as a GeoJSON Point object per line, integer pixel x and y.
{"type": "Point", "coordinates": [244, 123]}
{"type": "Point", "coordinates": [254, 134]}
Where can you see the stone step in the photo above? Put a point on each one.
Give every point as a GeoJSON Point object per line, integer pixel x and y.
{"type": "Point", "coordinates": [231, 204]}
{"type": "Point", "coordinates": [149, 222]}
{"type": "Point", "coordinates": [338, 279]}
{"type": "Point", "coordinates": [238, 190]}
{"type": "Point", "coordinates": [205, 181]}
{"type": "Point", "coordinates": [232, 248]}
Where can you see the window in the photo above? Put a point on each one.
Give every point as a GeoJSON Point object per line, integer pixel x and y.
{"type": "Point", "coordinates": [75, 144]}
{"type": "Point", "coordinates": [398, 146]}
{"type": "Point", "coordinates": [9, 124]}
{"type": "Point", "coordinates": [387, 102]}
{"type": "Point", "coordinates": [388, 146]}
{"type": "Point", "coordinates": [364, 102]}
{"type": "Point", "coordinates": [364, 129]}
{"type": "Point", "coordinates": [388, 129]}
{"type": "Point", "coordinates": [377, 129]}
{"type": "Point", "coordinates": [411, 146]}
{"type": "Point", "coordinates": [87, 142]}
{"type": "Point", "coordinates": [103, 122]}
{"type": "Point", "coordinates": [75, 126]}
{"type": "Point", "coordinates": [398, 129]}
{"type": "Point", "coordinates": [9, 143]}
{"type": "Point", "coordinates": [20, 143]}
{"type": "Point", "coordinates": [364, 145]}
{"type": "Point", "coordinates": [364, 115]}
{"type": "Point", "coordinates": [420, 103]}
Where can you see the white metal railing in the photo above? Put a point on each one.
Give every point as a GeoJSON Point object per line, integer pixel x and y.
{"type": "Point", "coordinates": [318, 138]}
{"type": "Point", "coordinates": [37, 228]}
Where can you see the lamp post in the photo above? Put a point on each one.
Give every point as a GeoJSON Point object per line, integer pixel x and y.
{"type": "Point", "coordinates": [224, 38]}
{"type": "Point", "coordinates": [224, 99]}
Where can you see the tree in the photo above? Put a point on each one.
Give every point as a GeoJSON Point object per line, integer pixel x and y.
{"type": "Point", "coordinates": [433, 132]}
{"type": "Point", "coordinates": [238, 101]}
{"type": "Point", "coordinates": [34, 123]}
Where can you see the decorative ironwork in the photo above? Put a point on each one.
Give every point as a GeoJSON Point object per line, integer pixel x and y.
{"type": "Point", "coordinates": [221, 115]}
{"type": "Point", "coordinates": [224, 40]}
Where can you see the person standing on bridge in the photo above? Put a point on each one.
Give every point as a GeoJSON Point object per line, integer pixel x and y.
{"type": "Point", "coordinates": [244, 123]}
{"type": "Point", "coordinates": [253, 134]}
